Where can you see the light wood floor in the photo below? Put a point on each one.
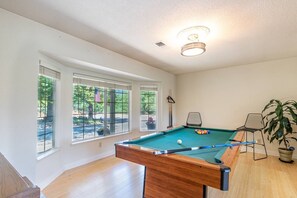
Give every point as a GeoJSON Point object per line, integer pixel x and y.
{"type": "Point", "coordinates": [116, 178]}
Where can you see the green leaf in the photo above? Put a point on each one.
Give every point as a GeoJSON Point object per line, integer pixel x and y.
{"type": "Point", "coordinates": [278, 102]}
{"type": "Point", "coordinates": [289, 102]}
{"type": "Point", "coordinates": [279, 133]}
{"type": "Point", "coordinates": [269, 114]}
{"type": "Point", "coordinates": [275, 123]}
{"type": "Point", "coordinates": [293, 138]}
{"type": "Point", "coordinates": [271, 103]}
{"type": "Point", "coordinates": [272, 126]}
{"type": "Point", "coordinates": [295, 104]}
{"type": "Point", "coordinates": [292, 102]}
{"type": "Point", "coordinates": [287, 125]}
{"type": "Point", "coordinates": [279, 111]}
{"type": "Point", "coordinates": [280, 141]}
{"type": "Point", "coordinates": [272, 138]}
{"type": "Point", "coordinates": [293, 114]}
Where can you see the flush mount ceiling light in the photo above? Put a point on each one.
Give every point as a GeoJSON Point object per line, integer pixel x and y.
{"type": "Point", "coordinates": [191, 39]}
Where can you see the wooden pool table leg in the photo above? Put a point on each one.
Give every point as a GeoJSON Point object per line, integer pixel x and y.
{"type": "Point", "coordinates": [158, 183]}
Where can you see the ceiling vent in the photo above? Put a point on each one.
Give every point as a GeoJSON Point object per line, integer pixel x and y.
{"type": "Point", "coordinates": [160, 44]}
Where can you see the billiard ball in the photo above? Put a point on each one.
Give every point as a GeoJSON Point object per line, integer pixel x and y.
{"type": "Point", "coordinates": [179, 141]}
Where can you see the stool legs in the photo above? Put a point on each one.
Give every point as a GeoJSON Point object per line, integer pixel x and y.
{"type": "Point", "coordinates": [263, 146]}
{"type": "Point", "coordinates": [254, 155]}
{"type": "Point", "coordinates": [254, 145]}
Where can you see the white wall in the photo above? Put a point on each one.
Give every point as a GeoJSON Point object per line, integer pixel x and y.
{"type": "Point", "coordinates": [21, 40]}
{"type": "Point", "coordinates": [225, 96]}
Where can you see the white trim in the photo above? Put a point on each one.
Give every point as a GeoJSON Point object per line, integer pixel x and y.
{"type": "Point", "coordinates": [50, 179]}
{"type": "Point", "coordinates": [49, 63]}
{"type": "Point", "coordinates": [101, 82]}
{"type": "Point", "coordinates": [47, 154]}
{"type": "Point", "coordinates": [88, 160]}
{"type": "Point", "coordinates": [98, 138]}
{"type": "Point", "coordinates": [45, 71]}
{"type": "Point", "coordinates": [151, 87]}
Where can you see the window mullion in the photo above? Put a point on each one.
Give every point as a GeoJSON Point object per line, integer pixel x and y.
{"type": "Point", "coordinates": [105, 110]}
{"type": "Point", "coordinates": [94, 113]}
{"type": "Point", "coordinates": [83, 111]}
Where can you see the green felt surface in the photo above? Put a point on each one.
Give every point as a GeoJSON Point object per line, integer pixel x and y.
{"type": "Point", "coordinates": [168, 140]}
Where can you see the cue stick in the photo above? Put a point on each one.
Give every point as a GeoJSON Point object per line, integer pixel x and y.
{"type": "Point", "coordinates": [201, 147]}
{"type": "Point", "coordinates": [233, 140]}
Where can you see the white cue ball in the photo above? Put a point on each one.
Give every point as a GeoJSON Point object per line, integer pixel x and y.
{"type": "Point", "coordinates": [179, 141]}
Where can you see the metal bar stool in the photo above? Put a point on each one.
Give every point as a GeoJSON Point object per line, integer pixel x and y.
{"type": "Point", "coordinates": [254, 123]}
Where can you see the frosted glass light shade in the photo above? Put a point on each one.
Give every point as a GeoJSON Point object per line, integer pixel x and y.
{"type": "Point", "coordinates": [193, 49]}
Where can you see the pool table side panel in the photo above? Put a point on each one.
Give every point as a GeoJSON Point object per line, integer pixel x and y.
{"type": "Point", "coordinates": [182, 167]}
{"type": "Point", "coordinates": [160, 183]}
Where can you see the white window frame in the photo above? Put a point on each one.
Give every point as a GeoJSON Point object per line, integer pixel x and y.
{"type": "Point", "coordinates": [52, 73]}
{"type": "Point", "coordinates": [150, 87]}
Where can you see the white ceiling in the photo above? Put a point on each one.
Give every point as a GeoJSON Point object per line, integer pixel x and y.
{"type": "Point", "coordinates": [241, 31]}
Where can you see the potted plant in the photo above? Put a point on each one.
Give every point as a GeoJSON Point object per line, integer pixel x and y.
{"type": "Point", "coordinates": [279, 122]}
{"type": "Point", "coordinates": [151, 125]}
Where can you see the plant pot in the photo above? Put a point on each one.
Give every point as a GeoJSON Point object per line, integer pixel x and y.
{"type": "Point", "coordinates": [151, 126]}
{"type": "Point", "coordinates": [285, 154]}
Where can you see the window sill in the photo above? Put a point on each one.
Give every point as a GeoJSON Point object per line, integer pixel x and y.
{"type": "Point", "coordinates": [148, 131]}
{"type": "Point", "coordinates": [75, 142]}
{"type": "Point", "coordinates": [47, 153]}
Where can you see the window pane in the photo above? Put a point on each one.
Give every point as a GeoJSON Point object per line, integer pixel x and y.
{"type": "Point", "coordinates": [45, 113]}
{"type": "Point", "coordinates": [98, 126]}
{"type": "Point", "coordinates": [119, 123]}
{"type": "Point", "coordinates": [89, 129]}
{"type": "Point", "coordinates": [118, 97]}
{"type": "Point", "coordinates": [78, 131]}
{"type": "Point", "coordinates": [125, 122]}
{"type": "Point", "coordinates": [126, 98]}
{"type": "Point", "coordinates": [152, 109]}
{"type": "Point", "coordinates": [144, 98]}
{"type": "Point", "coordinates": [49, 141]}
{"type": "Point", "coordinates": [119, 107]}
{"type": "Point", "coordinates": [152, 99]}
{"type": "Point", "coordinates": [99, 108]}
{"type": "Point", "coordinates": [125, 107]}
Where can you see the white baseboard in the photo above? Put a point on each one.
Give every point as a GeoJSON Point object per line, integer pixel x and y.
{"type": "Point", "coordinates": [50, 179]}
{"type": "Point", "coordinates": [88, 160]}
{"type": "Point", "coordinates": [75, 164]}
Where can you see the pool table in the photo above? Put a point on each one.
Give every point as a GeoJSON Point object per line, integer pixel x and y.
{"type": "Point", "coordinates": [187, 173]}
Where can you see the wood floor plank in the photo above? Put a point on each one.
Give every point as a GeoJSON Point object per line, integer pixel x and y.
{"type": "Point", "coordinates": [115, 178]}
